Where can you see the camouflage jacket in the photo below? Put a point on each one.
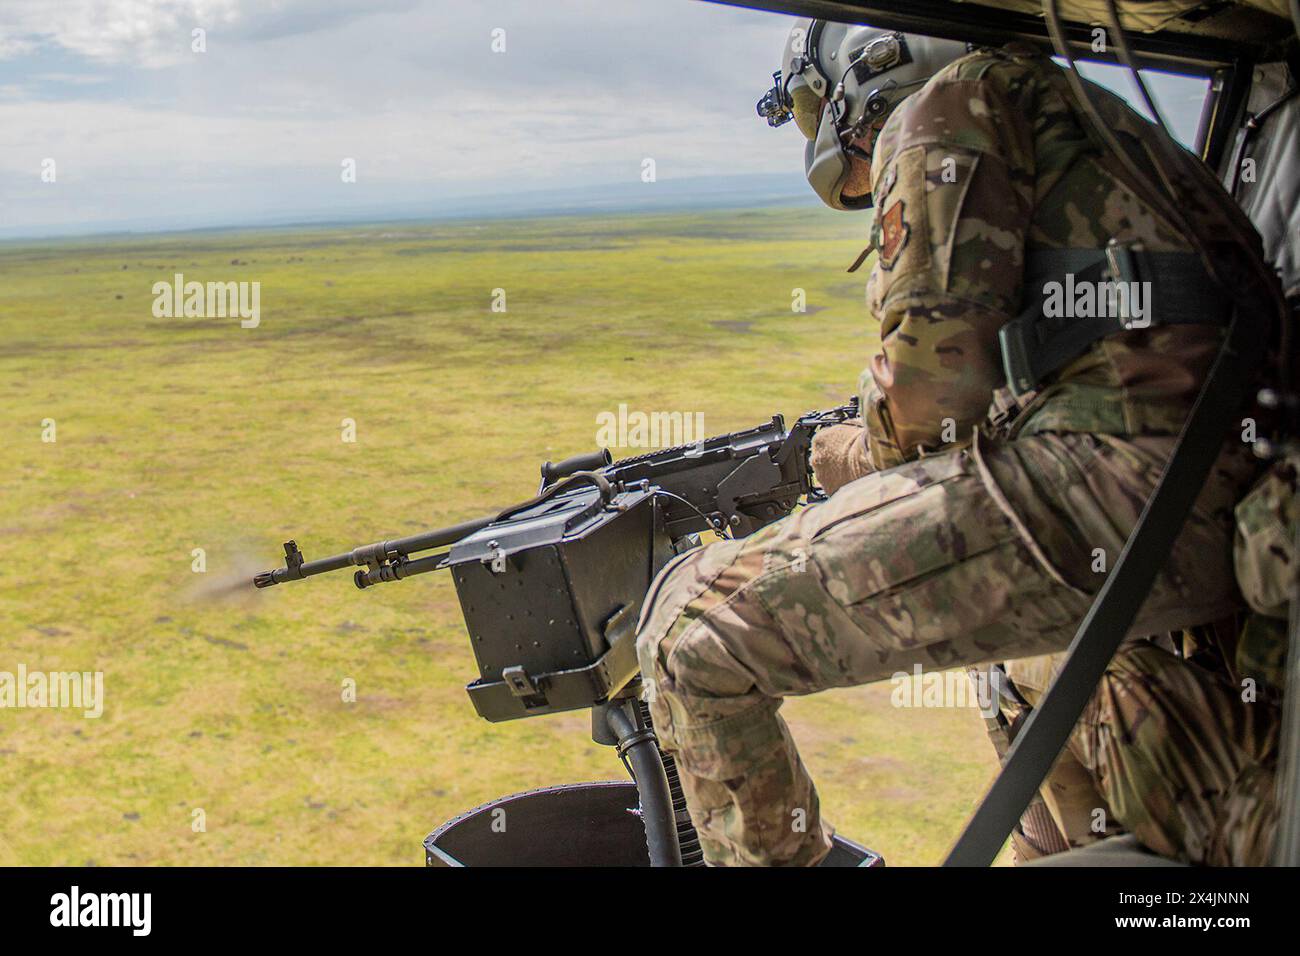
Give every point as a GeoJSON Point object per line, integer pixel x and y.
{"type": "Point", "coordinates": [1264, 554]}
{"type": "Point", "coordinates": [988, 160]}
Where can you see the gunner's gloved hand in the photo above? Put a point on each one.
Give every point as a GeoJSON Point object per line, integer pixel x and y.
{"type": "Point", "coordinates": [839, 455]}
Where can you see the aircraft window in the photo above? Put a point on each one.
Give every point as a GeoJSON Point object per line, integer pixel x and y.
{"type": "Point", "coordinates": [1179, 97]}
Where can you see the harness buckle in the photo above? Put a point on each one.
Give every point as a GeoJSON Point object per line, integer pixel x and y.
{"type": "Point", "coordinates": [1124, 272]}
{"type": "Point", "coordinates": [1121, 262]}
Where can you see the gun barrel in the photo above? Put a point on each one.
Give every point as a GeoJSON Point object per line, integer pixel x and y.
{"type": "Point", "coordinates": [397, 570]}
{"type": "Point", "coordinates": [378, 553]}
{"type": "Point", "coordinates": [439, 537]}
{"type": "Point", "coordinates": [296, 571]}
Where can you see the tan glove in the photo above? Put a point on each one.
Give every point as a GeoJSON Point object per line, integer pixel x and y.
{"type": "Point", "coordinates": [839, 455]}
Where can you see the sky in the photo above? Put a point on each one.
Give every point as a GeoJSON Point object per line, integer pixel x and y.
{"type": "Point", "coordinates": [146, 133]}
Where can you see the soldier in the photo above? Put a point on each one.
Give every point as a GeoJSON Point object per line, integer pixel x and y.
{"type": "Point", "coordinates": [971, 522]}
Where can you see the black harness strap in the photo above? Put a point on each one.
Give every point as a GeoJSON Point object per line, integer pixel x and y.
{"type": "Point", "coordinates": [1116, 605]}
{"type": "Point", "coordinates": [1171, 288]}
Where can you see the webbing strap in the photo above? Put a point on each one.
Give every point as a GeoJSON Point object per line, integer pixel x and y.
{"type": "Point", "coordinates": [1124, 289]}
{"type": "Point", "coordinates": [1116, 605]}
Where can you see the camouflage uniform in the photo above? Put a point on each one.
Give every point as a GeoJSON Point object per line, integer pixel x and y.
{"type": "Point", "coordinates": [981, 548]}
{"type": "Point", "coordinates": [1144, 758]}
{"type": "Point", "coordinates": [1068, 812]}
{"type": "Point", "coordinates": [1264, 550]}
{"type": "Point", "coordinates": [1264, 553]}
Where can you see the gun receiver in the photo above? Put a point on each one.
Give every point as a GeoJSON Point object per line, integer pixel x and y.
{"type": "Point", "coordinates": [551, 589]}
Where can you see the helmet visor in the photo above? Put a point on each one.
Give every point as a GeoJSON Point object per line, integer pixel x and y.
{"type": "Point", "coordinates": [807, 107]}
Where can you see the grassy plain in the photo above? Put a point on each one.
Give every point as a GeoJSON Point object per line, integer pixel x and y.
{"type": "Point", "coordinates": [184, 433]}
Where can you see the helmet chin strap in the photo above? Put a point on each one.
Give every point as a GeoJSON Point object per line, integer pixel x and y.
{"type": "Point", "coordinates": [870, 135]}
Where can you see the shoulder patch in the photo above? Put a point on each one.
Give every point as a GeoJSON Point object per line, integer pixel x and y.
{"type": "Point", "coordinates": [894, 233]}
{"type": "Point", "coordinates": [900, 228]}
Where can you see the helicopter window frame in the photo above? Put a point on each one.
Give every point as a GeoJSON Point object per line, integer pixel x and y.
{"type": "Point", "coordinates": [1166, 86]}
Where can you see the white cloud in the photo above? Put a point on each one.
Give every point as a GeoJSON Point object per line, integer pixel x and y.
{"type": "Point", "coordinates": [147, 33]}
{"type": "Point", "coordinates": [412, 90]}
{"type": "Point", "coordinates": [158, 33]}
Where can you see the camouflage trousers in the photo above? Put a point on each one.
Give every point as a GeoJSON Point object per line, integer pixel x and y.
{"type": "Point", "coordinates": [1167, 750]}
{"type": "Point", "coordinates": [987, 553]}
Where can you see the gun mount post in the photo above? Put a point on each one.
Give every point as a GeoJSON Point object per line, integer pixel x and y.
{"type": "Point", "coordinates": [638, 746]}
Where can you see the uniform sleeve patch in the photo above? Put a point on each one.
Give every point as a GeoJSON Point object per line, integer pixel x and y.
{"type": "Point", "coordinates": [894, 233]}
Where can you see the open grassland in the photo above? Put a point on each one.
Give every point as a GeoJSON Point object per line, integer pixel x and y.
{"type": "Point", "coordinates": [184, 433]}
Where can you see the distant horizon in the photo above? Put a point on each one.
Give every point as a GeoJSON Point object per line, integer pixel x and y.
{"type": "Point", "coordinates": [673, 195]}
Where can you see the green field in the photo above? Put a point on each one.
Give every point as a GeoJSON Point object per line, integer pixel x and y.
{"type": "Point", "coordinates": [184, 433]}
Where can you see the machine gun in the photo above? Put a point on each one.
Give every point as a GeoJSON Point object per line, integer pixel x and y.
{"type": "Point", "coordinates": [551, 591]}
